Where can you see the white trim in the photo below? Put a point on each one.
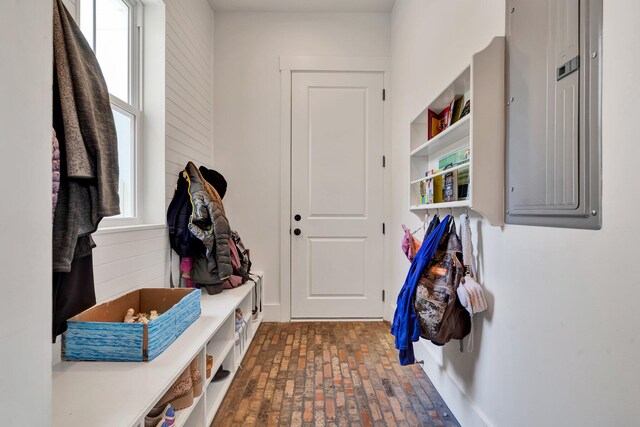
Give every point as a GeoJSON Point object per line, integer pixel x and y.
{"type": "Point", "coordinates": [335, 63]}
{"type": "Point", "coordinates": [289, 64]}
{"type": "Point", "coordinates": [467, 412]}
{"type": "Point", "coordinates": [128, 228]}
{"type": "Point", "coordinates": [386, 195]}
{"type": "Point", "coordinates": [271, 312]}
{"type": "Point", "coordinates": [285, 196]}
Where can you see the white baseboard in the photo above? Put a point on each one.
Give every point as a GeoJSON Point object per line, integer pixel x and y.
{"type": "Point", "coordinates": [389, 311]}
{"type": "Point", "coordinates": [465, 410]}
{"type": "Point", "coordinates": [271, 312]}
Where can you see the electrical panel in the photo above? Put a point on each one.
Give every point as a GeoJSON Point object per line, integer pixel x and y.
{"type": "Point", "coordinates": [553, 136]}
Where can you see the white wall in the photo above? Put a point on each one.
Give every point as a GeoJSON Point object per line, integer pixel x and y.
{"type": "Point", "coordinates": [189, 73]}
{"type": "Point", "coordinates": [25, 217]}
{"type": "Point", "coordinates": [559, 345]}
{"type": "Point", "coordinates": [247, 111]}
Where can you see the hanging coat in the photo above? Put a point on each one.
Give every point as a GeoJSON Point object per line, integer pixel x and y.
{"type": "Point", "coordinates": [406, 325]}
{"type": "Point", "coordinates": [85, 128]}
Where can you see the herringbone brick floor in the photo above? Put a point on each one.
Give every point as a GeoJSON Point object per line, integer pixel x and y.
{"type": "Point", "coordinates": [329, 374]}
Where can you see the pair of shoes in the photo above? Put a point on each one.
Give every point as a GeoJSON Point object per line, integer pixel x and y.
{"type": "Point", "coordinates": [183, 391]}
{"type": "Point", "coordinates": [209, 365]}
{"type": "Point", "coordinates": [160, 417]}
{"type": "Point", "coordinates": [196, 377]}
{"type": "Point", "coordinates": [221, 374]}
{"type": "Point", "coordinates": [180, 395]}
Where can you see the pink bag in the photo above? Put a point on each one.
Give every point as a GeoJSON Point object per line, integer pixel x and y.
{"type": "Point", "coordinates": [410, 245]}
{"type": "Point", "coordinates": [234, 281]}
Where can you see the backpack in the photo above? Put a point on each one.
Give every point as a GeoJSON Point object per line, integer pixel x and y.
{"type": "Point", "coordinates": [439, 311]}
{"type": "Point", "coordinates": [180, 238]}
{"type": "Point", "coordinates": [243, 253]}
{"type": "Point", "coordinates": [238, 277]}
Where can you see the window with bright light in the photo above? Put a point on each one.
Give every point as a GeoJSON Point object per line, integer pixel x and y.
{"type": "Point", "coordinates": [113, 31]}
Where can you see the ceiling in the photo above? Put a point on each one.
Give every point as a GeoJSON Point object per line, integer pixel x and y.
{"type": "Point", "coordinates": [303, 5]}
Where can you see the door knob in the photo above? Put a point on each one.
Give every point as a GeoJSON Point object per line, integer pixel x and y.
{"type": "Point", "coordinates": [297, 231]}
{"type": "Point", "coordinates": [297, 217]}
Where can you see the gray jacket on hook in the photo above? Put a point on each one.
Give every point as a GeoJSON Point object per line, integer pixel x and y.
{"type": "Point", "coordinates": [209, 224]}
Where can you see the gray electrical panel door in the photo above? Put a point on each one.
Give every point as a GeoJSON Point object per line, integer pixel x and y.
{"type": "Point", "coordinates": [553, 113]}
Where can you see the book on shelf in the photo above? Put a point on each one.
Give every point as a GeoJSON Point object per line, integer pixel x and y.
{"type": "Point", "coordinates": [434, 186]}
{"type": "Point", "coordinates": [466, 104]}
{"type": "Point", "coordinates": [450, 188]}
{"type": "Point", "coordinates": [455, 158]}
{"type": "Point", "coordinates": [457, 109]}
{"type": "Point", "coordinates": [423, 192]}
{"type": "Point", "coordinates": [463, 184]}
{"type": "Point", "coordinates": [450, 115]}
{"type": "Point", "coordinates": [437, 122]}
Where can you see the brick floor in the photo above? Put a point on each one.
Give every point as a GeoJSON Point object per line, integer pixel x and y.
{"type": "Point", "coordinates": [329, 374]}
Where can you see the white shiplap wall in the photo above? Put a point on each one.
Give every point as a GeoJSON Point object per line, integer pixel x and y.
{"type": "Point", "coordinates": [189, 87]}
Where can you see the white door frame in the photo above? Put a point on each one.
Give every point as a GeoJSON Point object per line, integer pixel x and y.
{"type": "Point", "coordinates": [288, 65]}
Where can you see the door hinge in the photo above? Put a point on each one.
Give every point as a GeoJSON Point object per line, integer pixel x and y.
{"type": "Point", "coordinates": [384, 94]}
{"type": "Point", "coordinates": [384, 161]}
{"type": "Point", "coordinates": [383, 295]}
{"type": "Point", "coordinates": [383, 228]}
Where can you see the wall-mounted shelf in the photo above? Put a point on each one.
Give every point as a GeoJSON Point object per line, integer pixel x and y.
{"type": "Point", "coordinates": [482, 131]}
{"type": "Point", "coordinates": [458, 130]}
{"type": "Point", "coordinates": [443, 205]}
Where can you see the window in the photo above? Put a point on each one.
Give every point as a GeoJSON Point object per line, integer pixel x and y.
{"type": "Point", "coordinates": [113, 30]}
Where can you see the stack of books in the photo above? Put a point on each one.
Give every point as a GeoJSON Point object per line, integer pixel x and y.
{"type": "Point", "coordinates": [458, 108]}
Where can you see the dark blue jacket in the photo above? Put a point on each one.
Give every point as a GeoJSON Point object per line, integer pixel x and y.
{"type": "Point", "coordinates": [406, 326]}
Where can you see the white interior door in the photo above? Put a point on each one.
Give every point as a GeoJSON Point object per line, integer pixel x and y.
{"type": "Point", "coordinates": [336, 195]}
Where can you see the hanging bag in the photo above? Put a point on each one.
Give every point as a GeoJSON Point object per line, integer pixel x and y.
{"type": "Point", "coordinates": [410, 245]}
{"type": "Point", "coordinates": [406, 325]}
{"type": "Point", "coordinates": [441, 315]}
{"type": "Point", "coordinates": [470, 293]}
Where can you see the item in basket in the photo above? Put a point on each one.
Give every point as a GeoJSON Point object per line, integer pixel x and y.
{"type": "Point", "coordinates": [128, 318]}
{"type": "Point", "coordinates": [143, 318]}
{"type": "Point", "coordinates": [450, 189]}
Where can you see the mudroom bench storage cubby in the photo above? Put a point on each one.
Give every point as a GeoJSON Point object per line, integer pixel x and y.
{"type": "Point", "coordinates": [122, 393]}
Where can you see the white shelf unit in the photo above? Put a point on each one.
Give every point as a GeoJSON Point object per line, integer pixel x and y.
{"type": "Point", "coordinates": [483, 131]}
{"type": "Point", "coordinates": [122, 393]}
